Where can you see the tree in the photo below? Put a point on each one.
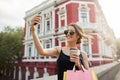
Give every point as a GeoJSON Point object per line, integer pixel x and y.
{"type": "Point", "coordinates": [118, 48]}
{"type": "Point", "coordinates": [10, 47]}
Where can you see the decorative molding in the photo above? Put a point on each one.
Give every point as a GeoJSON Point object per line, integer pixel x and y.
{"type": "Point", "coordinates": [61, 11]}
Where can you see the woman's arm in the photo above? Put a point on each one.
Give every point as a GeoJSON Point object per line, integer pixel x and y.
{"type": "Point", "coordinates": [38, 45]}
{"type": "Point", "coordinates": [85, 60]}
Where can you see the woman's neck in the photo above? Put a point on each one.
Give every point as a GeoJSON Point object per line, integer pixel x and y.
{"type": "Point", "coordinates": [72, 45]}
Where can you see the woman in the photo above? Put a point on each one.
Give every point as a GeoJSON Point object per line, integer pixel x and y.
{"type": "Point", "coordinates": [74, 34]}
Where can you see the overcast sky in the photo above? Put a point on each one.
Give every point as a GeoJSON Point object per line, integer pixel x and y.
{"type": "Point", "coordinates": [12, 12]}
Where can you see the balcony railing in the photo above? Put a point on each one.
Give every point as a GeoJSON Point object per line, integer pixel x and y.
{"type": "Point", "coordinates": [39, 59]}
{"type": "Point", "coordinates": [49, 32]}
{"type": "Point", "coordinates": [88, 25]}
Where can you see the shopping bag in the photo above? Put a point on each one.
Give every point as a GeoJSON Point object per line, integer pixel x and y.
{"type": "Point", "coordinates": [64, 76]}
{"type": "Point", "coordinates": [80, 75]}
{"type": "Point", "coordinates": [94, 75]}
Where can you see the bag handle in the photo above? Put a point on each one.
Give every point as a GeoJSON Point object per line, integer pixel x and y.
{"type": "Point", "coordinates": [81, 63]}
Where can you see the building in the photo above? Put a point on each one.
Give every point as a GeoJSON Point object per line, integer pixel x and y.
{"type": "Point", "coordinates": [56, 15]}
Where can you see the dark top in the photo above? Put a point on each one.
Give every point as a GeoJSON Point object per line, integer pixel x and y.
{"type": "Point", "coordinates": [63, 64]}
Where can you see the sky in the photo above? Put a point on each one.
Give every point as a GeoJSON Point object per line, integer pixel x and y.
{"type": "Point", "coordinates": [12, 12]}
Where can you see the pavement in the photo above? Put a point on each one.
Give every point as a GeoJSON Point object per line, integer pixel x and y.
{"type": "Point", "coordinates": [117, 77]}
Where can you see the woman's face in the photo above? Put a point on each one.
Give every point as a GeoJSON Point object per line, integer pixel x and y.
{"type": "Point", "coordinates": [71, 34]}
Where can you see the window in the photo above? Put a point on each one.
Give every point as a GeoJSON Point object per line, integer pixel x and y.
{"type": "Point", "coordinates": [62, 17]}
{"type": "Point", "coordinates": [30, 51]}
{"type": "Point", "coordinates": [30, 32]}
{"type": "Point", "coordinates": [47, 45]}
{"type": "Point", "coordinates": [38, 29]}
{"type": "Point", "coordinates": [62, 20]}
{"type": "Point", "coordinates": [84, 13]}
{"type": "Point", "coordinates": [48, 26]}
{"type": "Point", "coordinates": [85, 46]}
{"type": "Point", "coordinates": [38, 53]}
{"type": "Point", "coordinates": [84, 17]}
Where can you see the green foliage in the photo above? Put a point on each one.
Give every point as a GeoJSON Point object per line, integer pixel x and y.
{"type": "Point", "coordinates": [10, 46]}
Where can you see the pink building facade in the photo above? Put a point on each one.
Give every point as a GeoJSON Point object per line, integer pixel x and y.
{"type": "Point", "coordinates": [56, 15]}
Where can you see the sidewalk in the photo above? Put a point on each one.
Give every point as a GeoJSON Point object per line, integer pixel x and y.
{"type": "Point", "coordinates": [117, 77]}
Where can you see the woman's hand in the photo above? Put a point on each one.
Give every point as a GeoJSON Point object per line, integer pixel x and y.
{"type": "Point", "coordinates": [34, 21]}
{"type": "Point", "coordinates": [75, 58]}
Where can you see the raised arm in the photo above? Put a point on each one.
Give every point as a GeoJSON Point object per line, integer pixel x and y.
{"type": "Point", "coordinates": [38, 45]}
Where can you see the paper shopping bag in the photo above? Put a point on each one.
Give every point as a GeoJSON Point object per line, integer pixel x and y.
{"type": "Point", "coordinates": [64, 76]}
{"type": "Point", "coordinates": [80, 75]}
{"type": "Point", "coordinates": [94, 75]}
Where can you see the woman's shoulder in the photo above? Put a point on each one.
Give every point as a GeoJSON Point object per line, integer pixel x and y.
{"type": "Point", "coordinates": [84, 54]}
{"type": "Point", "coordinates": [58, 48]}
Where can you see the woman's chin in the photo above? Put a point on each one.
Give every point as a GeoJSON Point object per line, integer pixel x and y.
{"type": "Point", "coordinates": [69, 41]}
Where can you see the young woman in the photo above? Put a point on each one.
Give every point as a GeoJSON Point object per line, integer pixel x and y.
{"type": "Point", "coordinates": [74, 34]}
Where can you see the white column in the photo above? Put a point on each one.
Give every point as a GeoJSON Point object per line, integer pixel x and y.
{"type": "Point", "coordinates": [53, 21]}
{"type": "Point", "coordinates": [32, 49]}
{"type": "Point", "coordinates": [26, 30]}
{"type": "Point", "coordinates": [36, 74]}
{"type": "Point", "coordinates": [14, 73]}
{"type": "Point", "coordinates": [20, 74]}
{"type": "Point", "coordinates": [45, 73]}
{"type": "Point", "coordinates": [42, 24]}
{"type": "Point", "coordinates": [101, 47]}
{"type": "Point", "coordinates": [27, 74]}
{"type": "Point", "coordinates": [90, 50]}
{"type": "Point", "coordinates": [59, 20]}
{"type": "Point", "coordinates": [53, 42]}
{"type": "Point", "coordinates": [65, 18]}
{"type": "Point", "coordinates": [25, 52]}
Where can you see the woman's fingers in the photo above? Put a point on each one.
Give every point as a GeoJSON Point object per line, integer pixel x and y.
{"type": "Point", "coordinates": [74, 58]}
{"type": "Point", "coordinates": [36, 20]}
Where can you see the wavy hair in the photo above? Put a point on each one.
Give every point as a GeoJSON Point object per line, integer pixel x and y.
{"type": "Point", "coordinates": [80, 32]}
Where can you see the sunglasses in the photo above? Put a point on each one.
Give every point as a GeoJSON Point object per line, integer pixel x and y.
{"type": "Point", "coordinates": [70, 32]}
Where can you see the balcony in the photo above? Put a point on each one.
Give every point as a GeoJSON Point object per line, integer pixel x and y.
{"type": "Point", "coordinates": [39, 59]}
{"type": "Point", "coordinates": [49, 32]}
{"type": "Point", "coordinates": [89, 27]}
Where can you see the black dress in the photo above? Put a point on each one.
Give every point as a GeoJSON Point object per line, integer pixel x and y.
{"type": "Point", "coordinates": [63, 64]}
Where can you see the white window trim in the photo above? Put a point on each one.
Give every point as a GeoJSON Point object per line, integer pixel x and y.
{"type": "Point", "coordinates": [48, 43]}
{"type": "Point", "coordinates": [46, 25]}
{"type": "Point", "coordinates": [89, 47]}
{"type": "Point", "coordinates": [59, 15]}
{"type": "Point", "coordinates": [39, 29]}
{"type": "Point", "coordinates": [62, 39]}
{"type": "Point", "coordinates": [87, 12]}
{"type": "Point", "coordinates": [29, 54]}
